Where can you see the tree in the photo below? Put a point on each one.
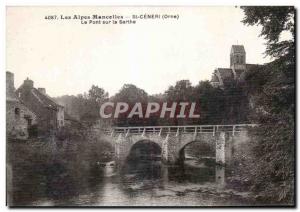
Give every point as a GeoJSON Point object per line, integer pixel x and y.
{"type": "Point", "coordinates": [97, 94]}
{"type": "Point", "coordinates": [85, 107]}
{"type": "Point", "coordinates": [130, 94]}
{"type": "Point", "coordinates": [211, 101]}
{"type": "Point", "coordinates": [182, 91]}
{"type": "Point", "coordinates": [272, 91]}
{"type": "Point", "coordinates": [274, 21]}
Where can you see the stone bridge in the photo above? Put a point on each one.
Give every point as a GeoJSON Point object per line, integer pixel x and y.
{"type": "Point", "coordinates": [173, 139]}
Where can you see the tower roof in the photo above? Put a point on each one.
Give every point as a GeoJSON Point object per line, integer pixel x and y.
{"type": "Point", "coordinates": [237, 49]}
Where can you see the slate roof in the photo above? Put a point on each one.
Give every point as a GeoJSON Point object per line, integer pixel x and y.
{"type": "Point", "coordinates": [38, 97]}
{"type": "Point", "coordinates": [250, 66]}
{"type": "Point", "coordinates": [239, 72]}
{"type": "Point", "coordinates": [226, 74]}
{"type": "Point", "coordinates": [44, 99]}
{"type": "Point", "coordinates": [214, 78]}
{"type": "Point", "coordinates": [238, 48]}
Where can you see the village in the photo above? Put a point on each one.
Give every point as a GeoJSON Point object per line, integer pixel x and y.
{"type": "Point", "coordinates": [31, 112]}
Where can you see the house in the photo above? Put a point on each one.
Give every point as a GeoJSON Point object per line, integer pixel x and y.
{"type": "Point", "coordinates": [50, 115]}
{"type": "Point", "coordinates": [223, 77]}
{"type": "Point", "coordinates": [19, 118]}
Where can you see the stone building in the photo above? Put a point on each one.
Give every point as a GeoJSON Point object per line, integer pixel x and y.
{"type": "Point", "coordinates": [227, 76]}
{"type": "Point", "coordinates": [18, 117]}
{"type": "Point", "coordinates": [50, 115]}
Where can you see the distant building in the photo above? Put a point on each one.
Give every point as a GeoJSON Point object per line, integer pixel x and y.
{"type": "Point", "coordinates": [50, 115]}
{"type": "Point", "coordinates": [19, 118]}
{"type": "Point", "coordinates": [226, 76]}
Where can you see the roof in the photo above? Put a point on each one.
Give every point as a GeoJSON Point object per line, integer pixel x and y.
{"type": "Point", "coordinates": [44, 99]}
{"type": "Point", "coordinates": [238, 72]}
{"type": "Point", "coordinates": [226, 73]}
{"type": "Point", "coordinates": [251, 66]}
{"type": "Point", "coordinates": [238, 49]}
{"type": "Point", "coordinates": [214, 78]}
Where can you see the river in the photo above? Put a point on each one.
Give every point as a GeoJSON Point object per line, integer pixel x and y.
{"type": "Point", "coordinates": [141, 181]}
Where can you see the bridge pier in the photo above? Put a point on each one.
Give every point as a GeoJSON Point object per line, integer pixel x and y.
{"type": "Point", "coordinates": [164, 149]}
{"type": "Point", "coordinates": [220, 147]}
{"type": "Point", "coordinates": [229, 144]}
{"type": "Point", "coordinates": [224, 147]}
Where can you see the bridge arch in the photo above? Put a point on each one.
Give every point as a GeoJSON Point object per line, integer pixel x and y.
{"type": "Point", "coordinates": [143, 148]}
{"type": "Point", "coordinates": [138, 138]}
{"type": "Point", "coordinates": [206, 139]}
{"type": "Point", "coordinates": [201, 146]}
{"type": "Point", "coordinates": [124, 145]}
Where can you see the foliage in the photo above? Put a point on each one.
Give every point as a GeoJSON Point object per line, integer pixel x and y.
{"type": "Point", "coordinates": [131, 94]}
{"type": "Point", "coordinates": [272, 91]}
{"type": "Point", "coordinates": [52, 168]}
{"type": "Point", "coordinates": [84, 107]}
{"type": "Point", "coordinates": [97, 94]}
{"type": "Point", "coordinates": [182, 91]}
{"type": "Point", "coordinates": [212, 102]}
{"type": "Point", "coordinates": [274, 21]}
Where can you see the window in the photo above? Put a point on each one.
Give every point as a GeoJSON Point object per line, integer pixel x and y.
{"type": "Point", "coordinates": [29, 122]}
{"type": "Point", "coordinates": [17, 111]}
{"type": "Point", "coordinates": [28, 119]}
{"type": "Point", "coordinates": [236, 59]}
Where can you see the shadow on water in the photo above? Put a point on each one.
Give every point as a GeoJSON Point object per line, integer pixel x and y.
{"type": "Point", "coordinates": [99, 183]}
{"type": "Point", "coordinates": [144, 168]}
{"type": "Point", "coordinates": [144, 161]}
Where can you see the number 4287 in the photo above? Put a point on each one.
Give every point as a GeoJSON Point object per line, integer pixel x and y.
{"type": "Point", "coordinates": [51, 17]}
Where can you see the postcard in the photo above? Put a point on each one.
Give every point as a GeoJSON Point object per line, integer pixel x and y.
{"type": "Point", "coordinates": [150, 106]}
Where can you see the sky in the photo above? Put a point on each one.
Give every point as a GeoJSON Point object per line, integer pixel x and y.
{"type": "Point", "coordinates": [67, 57]}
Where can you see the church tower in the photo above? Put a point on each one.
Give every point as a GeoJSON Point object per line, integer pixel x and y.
{"type": "Point", "coordinates": [237, 59]}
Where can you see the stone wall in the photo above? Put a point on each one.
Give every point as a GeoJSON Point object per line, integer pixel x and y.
{"type": "Point", "coordinates": [18, 119]}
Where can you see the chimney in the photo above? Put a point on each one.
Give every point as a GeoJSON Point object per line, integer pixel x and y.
{"type": "Point", "coordinates": [10, 87]}
{"type": "Point", "coordinates": [42, 90]}
{"type": "Point", "coordinates": [28, 83]}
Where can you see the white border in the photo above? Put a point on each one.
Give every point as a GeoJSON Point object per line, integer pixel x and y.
{"type": "Point", "coordinates": [150, 2]}
{"type": "Point", "coordinates": [5, 3]}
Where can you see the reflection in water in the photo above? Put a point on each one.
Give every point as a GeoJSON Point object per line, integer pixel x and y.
{"type": "Point", "coordinates": [220, 175]}
{"type": "Point", "coordinates": [143, 180]}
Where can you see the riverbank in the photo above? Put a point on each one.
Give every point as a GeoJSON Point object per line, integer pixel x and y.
{"type": "Point", "coordinates": [81, 173]}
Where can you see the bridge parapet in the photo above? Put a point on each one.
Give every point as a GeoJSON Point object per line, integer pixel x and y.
{"type": "Point", "coordinates": [187, 129]}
